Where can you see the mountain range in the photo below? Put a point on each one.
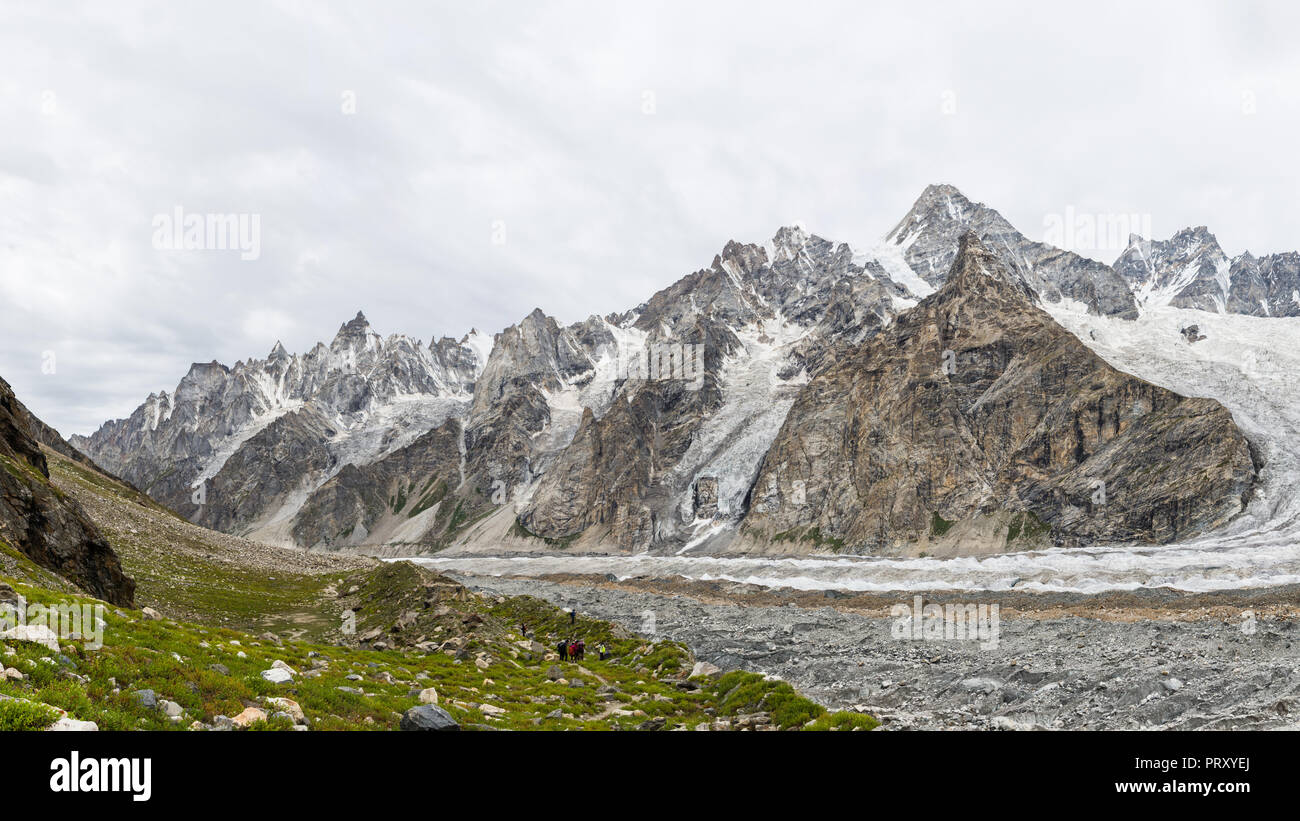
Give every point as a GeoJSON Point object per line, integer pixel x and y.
{"type": "Point", "coordinates": [916, 391]}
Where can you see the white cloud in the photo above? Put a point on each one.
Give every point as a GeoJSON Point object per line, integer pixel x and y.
{"type": "Point", "coordinates": [469, 115]}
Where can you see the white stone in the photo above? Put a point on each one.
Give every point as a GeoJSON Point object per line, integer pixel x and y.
{"type": "Point", "coordinates": [34, 633]}
{"type": "Point", "coordinates": [249, 716]}
{"type": "Point", "coordinates": [288, 705]}
{"type": "Point", "coordinates": [71, 725]}
{"type": "Point", "coordinates": [703, 668]}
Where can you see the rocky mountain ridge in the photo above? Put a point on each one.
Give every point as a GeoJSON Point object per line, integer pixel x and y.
{"type": "Point", "coordinates": [1190, 270]}
{"type": "Point", "coordinates": [201, 450]}
{"type": "Point", "coordinates": [928, 236]}
{"type": "Point", "coordinates": [640, 430]}
{"type": "Point", "coordinates": [975, 423]}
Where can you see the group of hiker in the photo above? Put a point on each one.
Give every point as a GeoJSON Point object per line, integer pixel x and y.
{"type": "Point", "coordinates": [571, 650]}
{"type": "Point", "coordinates": [576, 650]}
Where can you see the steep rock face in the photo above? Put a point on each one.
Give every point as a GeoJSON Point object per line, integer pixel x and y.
{"type": "Point", "coordinates": [532, 366]}
{"type": "Point", "coordinates": [277, 462]}
{"type": "Point", "coordinates": [615, 474]}
{"type": "Point", "coordinates": [537, 350]}
{"type": "Point", "coordinates": [841, 297]}
{"type": "Point", "coordinates": [47, 526]}
{"type": "Point", "coordinates": [976, 423]}
{"type": "Point", "coordinates": [400, 495]}
{"type": "Point", "coordinates": [1268, 286]}
{"type": "Point", "coordinates": [527, 402]}
{"type": "Point", "coordinates": [566, 427]}
{"type": "Point", "coordinates": [930, 232]}
{"type": "Point", "coordinates": [759, 318]}
{"type": "Point", "coordinates": [554, 403]}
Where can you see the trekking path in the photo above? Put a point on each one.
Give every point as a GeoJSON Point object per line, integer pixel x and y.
{"type": "Point", "coordinates": [587, 672]}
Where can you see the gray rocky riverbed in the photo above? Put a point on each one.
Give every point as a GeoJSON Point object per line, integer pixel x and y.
{"type": "Point", "coordinates": [1046, 671]}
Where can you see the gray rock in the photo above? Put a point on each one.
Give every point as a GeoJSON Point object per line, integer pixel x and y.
{"type": "Point", "coordinates": [428, 717]}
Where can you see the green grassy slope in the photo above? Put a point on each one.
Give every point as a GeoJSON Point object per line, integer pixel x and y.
{"type": "Point", "coordinates": [231, 608]}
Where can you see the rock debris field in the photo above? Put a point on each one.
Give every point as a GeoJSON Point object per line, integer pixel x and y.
{"type": "Point", "coordinates": [1152, 660]}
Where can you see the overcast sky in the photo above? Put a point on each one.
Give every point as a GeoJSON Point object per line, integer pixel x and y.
{"type": "Point", "coordinates": [453, 165]}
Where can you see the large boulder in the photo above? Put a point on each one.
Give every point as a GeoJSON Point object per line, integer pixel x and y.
{"type": "Point", "coordinates": [289, 707]}
{"type": "Point", "coordinates": [703, 668]}
{"type": "Point", "coordinates": [428, 717]}
{"type": "Point", "coordinates": [250, 715]}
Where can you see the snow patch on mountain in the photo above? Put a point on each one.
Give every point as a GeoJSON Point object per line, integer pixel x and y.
{"type": "Point", "coordinates": [1247, 363]}
{"type": "Point", "coordinates": [733, 440]}
{"type": "Point", "coordinates": [890, 257]}
{"type": "Point", "coordinates": [227, 447]}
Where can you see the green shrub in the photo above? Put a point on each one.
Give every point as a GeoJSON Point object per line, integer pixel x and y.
{"type": "Point", "coordinates": [16, 715]}
{"type": "Point", "coordinates": [743, 692]}
{"type": "Point", "coordinates": [845, 722]}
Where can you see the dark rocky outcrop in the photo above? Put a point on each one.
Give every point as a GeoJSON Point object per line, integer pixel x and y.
{"type": "Point", "coordinates": [44, 524]}
{"type": "Point", "coordinates": [360, 501]}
